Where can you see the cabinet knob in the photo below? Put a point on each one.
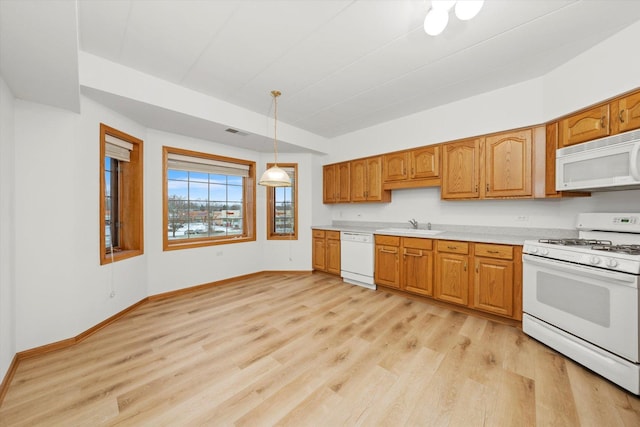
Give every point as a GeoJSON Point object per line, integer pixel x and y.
{"type": "Point", "coordinates": [621, 116]}
{"type": "Point", "coordinates": [602, 122]}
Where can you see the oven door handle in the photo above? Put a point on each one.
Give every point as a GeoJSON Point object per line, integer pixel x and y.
{"type": "Point", "coordinates": [582, 270]}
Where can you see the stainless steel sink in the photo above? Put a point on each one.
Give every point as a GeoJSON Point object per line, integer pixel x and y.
{"type": "Point", "coordinates": [410, 231]}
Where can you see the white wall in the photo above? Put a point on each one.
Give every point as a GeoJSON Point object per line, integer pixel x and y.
{"type": "Point", "coordinates": [7, 277]}
{"type": "Point", "coordinates": [602, 72]}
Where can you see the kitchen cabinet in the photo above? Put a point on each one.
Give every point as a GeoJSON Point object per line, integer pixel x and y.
{"type": "Point", "coordinates": [336, 183]}
{"type": "Point", "coordinates": [452, 272]}
{"type": "Point", "coordinates": [387, 261]}
{"type": "Point", "coordinates": [366, 181]}
{"type": "Point", "coordinates": [419, 167]}
{"type": "Point", "coordinates": [417, 265]}
{"type": "Point", "coordinates": [461, 169]}
{"type": "Point", "coordinates": [404, 263]}
{"type": "Point", "coordinates": [496, 166]}
{"type": "Point", "coordinates": [507, 166]}
{"type": "Point", "coordinates": [494, 279]}
{"type": "Point", "coordinates": [326, 251]}
{"type": "Point", "coordinates": [618, 115]}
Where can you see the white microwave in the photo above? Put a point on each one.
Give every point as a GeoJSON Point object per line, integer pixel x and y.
{"type": "Point", "coordinates": [609, 163]}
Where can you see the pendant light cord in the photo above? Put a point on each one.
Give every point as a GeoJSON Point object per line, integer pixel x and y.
{"type": "Point", "coordinates": [276, 94]}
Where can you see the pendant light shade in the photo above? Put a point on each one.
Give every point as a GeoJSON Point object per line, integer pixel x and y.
{"type": "Point", "coordinates": [274, 176]}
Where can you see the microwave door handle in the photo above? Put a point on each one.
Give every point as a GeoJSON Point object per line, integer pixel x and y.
{"type": "Point", "coordinates": [633, 167]}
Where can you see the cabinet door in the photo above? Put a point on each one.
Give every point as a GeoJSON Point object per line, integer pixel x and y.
{"type": "Point", "coordinates": [585, 126]}
{"type": "Point", "coordinates": [387, 267]}
{"type": "Point", "coordinates": [333, 256]}
{"type": "Point", "coordinates": [328, 184]}
{"type": "Point", "coordinates": [358, 180]}
{"type": "Point", "coordinates": [395, 166]}
{"type": "Point", "coordinates": [425, 162]}
{"type": "Point", "coordinates": [373, 181]}
{"type": "Point", "coordinates": [319, 254]}
{"type": "Point", "coordinates": [417, 269]}
{"type": "Point", "coordinates": [627, 113]}
{"type": "Point", "coordinates": [493, 286]}
{"type": "Point", "coordinates": [343, 182]}
{"type": "Point", "coordinates": [507, 167]}
{"type": "Point", "coordinates": [452, 278]}
{"type": "Point", "coordinates": [461, 169]}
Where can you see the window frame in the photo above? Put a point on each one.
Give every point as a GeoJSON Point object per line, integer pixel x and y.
{"type": "Point", "coordinates": [130, 200]}
{"type": "Point", "coordinates": [248, 202]}
{"type": "Point", "coordinates": [271, 193]}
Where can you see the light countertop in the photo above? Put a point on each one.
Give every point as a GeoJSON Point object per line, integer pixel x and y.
{"type": "Point", "coordinates": [484, 234]}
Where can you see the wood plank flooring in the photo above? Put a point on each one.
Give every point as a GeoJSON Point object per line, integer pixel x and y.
{"type": "Point", "coordinates": [292, 350]}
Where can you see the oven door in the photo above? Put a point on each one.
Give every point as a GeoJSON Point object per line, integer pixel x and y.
{"type": "Point", "coordinates": [596, 305]}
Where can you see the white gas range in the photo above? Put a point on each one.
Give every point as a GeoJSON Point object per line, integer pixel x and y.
{"type": "Point", "coordinates": [580, 296]}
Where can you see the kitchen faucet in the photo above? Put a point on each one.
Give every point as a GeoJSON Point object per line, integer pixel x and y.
{"type": "Point", "coordinates": [413, 223]}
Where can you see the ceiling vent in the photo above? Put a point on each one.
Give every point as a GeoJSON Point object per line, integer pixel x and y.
{"type": "Point", "coordinates": [236, 131]}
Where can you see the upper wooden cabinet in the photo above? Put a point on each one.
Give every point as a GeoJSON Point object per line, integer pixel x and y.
{"type": "Point", "coordinates": [461, 169]}
{"type": "Point", "coordinates": [618, 115]}
{"type": "Point", "coordinates": [419, 167]}
{"type": "Point", "coordinates": [585, 126]}
{"type": "Point", "coordinates": [336, 183]}
{"type": "Point", "coordinates": [507, 166]}
{"type": "Point", "coordinates": [625, 113]}
{"type": "Point", "coordinates": [366, 181]}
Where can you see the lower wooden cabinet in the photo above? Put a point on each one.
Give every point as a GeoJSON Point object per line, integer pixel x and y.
{"type": "Point", "coordinates": [404, 263]}
{"type": "Point", "coordinates": [480, 276]}
{"type": "Point", "coordinates": [493, 279]}
{"type": "Point", "coordinates": [452, 272]}
{"type": "Point", "coordinates": [326, 251]}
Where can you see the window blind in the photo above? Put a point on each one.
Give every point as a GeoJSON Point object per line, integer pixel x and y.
{"type": "Point", "coordinates": [199, 164]}
{"type": "Point", "coordinates": [117, 148]}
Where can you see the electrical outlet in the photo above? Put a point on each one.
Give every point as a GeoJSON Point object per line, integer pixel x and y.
{"type": "Point", "coordinates": [219, 253]}
{"type": "Point", "coordinates": [522, 218]}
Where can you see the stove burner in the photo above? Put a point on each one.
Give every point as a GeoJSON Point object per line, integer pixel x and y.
{"type": "Point", "coordinates": [576, 242]}
{"type": "Point", "coordinates": [622, 249]}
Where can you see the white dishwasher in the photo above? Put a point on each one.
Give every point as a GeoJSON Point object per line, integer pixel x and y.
{"type": "Point", "coordinates": [356, 258]}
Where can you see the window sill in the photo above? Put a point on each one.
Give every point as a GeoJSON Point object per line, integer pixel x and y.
{"type": "Point", "coordinates": [108, 258]}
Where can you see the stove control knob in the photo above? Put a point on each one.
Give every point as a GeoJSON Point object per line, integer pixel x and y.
{"type": "Point", "coordinates": [594, 260]}
{"type": "Point", "coordinates": [544, 251]}
{"type": "Point", "coordinates": [533, 250]}
{"type": "Point", "coordinates": [611, 263]}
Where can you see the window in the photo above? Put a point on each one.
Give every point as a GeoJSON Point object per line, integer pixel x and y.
{"type": "Point", "coordinates": [121, 227]}
{"type": "Point", "coordinates": [282, 206]}
{"type": "Point", "coordinates": [208, 199]}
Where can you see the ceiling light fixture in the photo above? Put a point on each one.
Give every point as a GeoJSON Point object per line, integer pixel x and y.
{"type": "Point", "coordinates": [438, 15]}
{"type": "Point", "coordinates": [275, 176]}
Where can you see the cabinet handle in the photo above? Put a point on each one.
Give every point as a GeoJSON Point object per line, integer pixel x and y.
{"type": "Point", "coordinates": [487, 188]}
{"type": "Point", "coordinates": [452, 247]}
{"type": "Point", "coordinates": [476, 188]}
{"type": "Point", "coordinates": [465, 266]}
{"type": "Point", "coordinates": [493, 252]}
{"type": "Point", "coordinates": [385, 251]}
{"type": "Point", "coordinates": [602, 122]}
{"type": "Point", "coordinates": [621, 116]}
{"type": "Point", "coordinates": [477, 267]}
{"type": "Point", "coordinates": [410, 254]}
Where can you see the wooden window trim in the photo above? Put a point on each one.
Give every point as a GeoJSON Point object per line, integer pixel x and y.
{"type": "Point", "coordinates": [271, 234]}
{"type": "Point", "coordinates": [249, 197]}
{"type": "Point", "coordinates": [131, 196]}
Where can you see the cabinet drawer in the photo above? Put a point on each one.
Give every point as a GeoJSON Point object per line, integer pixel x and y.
{"type": "Point", "coordinates": [417, 243]}
{"type": "Point", "coordinates": [494, 251]}
{"type": "Point", "coordinates": [319, 234]}
{"type": "Point", "coordinates": [333, 235]}
{"type": "Point", "coordinates": [387, 240]}
{"type": "Point", "coordinates": [453, 247]}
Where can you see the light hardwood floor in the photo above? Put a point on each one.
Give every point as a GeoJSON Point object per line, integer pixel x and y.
{"type": "Point", "coordinates": [309, 350]}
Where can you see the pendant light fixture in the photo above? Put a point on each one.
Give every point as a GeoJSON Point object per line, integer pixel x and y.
{"type": "Point", "coordinates": [438, 16]}
{"type": "Point", "coordinates": [274, 176]}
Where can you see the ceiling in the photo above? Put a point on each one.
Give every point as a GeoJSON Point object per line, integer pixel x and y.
{"type": "Point", "coordinates": [342, 65]}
